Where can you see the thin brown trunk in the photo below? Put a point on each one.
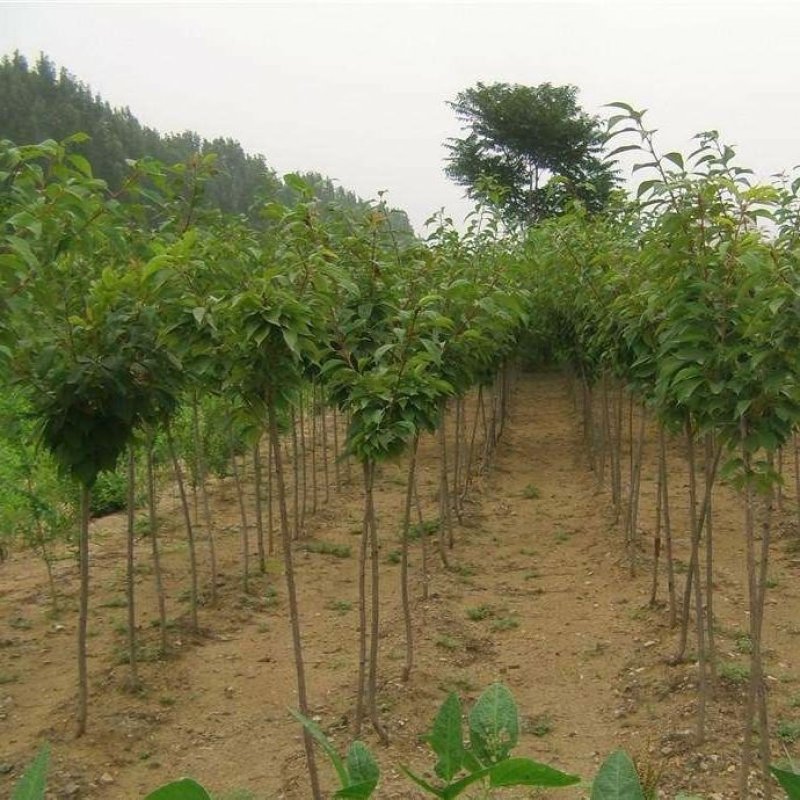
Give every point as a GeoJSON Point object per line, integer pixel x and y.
{"type": "Point", "coordinates": [243, 524]}
{"type": "Point", "coordinates": [130, 583]}
{"type": "Point", "coordinates": [336, 467]}
{"type": "Point", "coordinates": [258, 482]}
{"type": "Point", "coordinates": [423, 543]}
{"type": "Point", "coordinates": [404, 593]}
{"type": "Point", "coordinates": [471, 450]}
{"type": "Point", "coordinates": [372, 680]}
{"type": "Point", "coordinates": [709, 552]}
{"type": "Point", "coordinates": [153, 517]}
{"type": "Point", "coordinates": [664, 472]}
{"type": "Point", "coordinates": [202, 475]}
{"type": "Point", "coordinates": [291, 590]}
{"type": "Point", "coordinates": [187, 518]}
{"type": "Point", "coordinates": [445, 533]}
{"type": "Point", "coordinates": [83, 613]}
{"type": "Point", "coordinates": [325, 471]}
{"type": "Point", "coordinates": [270, 505]}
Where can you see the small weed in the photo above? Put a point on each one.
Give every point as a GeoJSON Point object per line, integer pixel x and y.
{"type": "Point", "coordinates": [394, 557]}
{"type": "Point", "coordinates": [744, 644]}
{"type": "Point", "coordinates": [540, 725]}
{"type": "Point", "coordinates": [166, 700]}
{"type": "Point", "coordinates": [464, 570]}
{"type": "Point", "coordinates": [120, 628]}
{"type": "Point", "coordinates": [20, 623]}
{"type": "Point", "coordinates": [530, 492]}
{"type": "Point", "coordinates": [794, 702]}
{"type": "Point", "coordinates": [479, 613]}
{"type": "Point", "coordinates": [531, 574]}
{"type": "Point", "coordinates": [457, 685]}
{"type": "Point", "coordinates": [262, 627]}
{"type": "Point", "coordinates": [772, 583]}
{"type": "Point", "coordinates": [505, 624]}
{"type": "Point", "coordinates": [733, 673]}
{"type": "Point", "coordinates": [561, 537]}
{"type": "Point", "coordinates": [7, 677]}
{"type": "Point", "coordinates": [329, 549]}
{"type": "Point", "coordinates": [340, 606]}
{"type": "Point", "coordinates": [789, 731]}
{"type": "Point", "coordinates": [424, 528]}
{"type": "Point", "coordinates": [527, 551]}
{"type": "Point", "coordinates": [447, 643]}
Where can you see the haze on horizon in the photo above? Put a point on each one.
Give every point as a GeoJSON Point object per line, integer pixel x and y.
{"type": "Point", "coordinates": [359, 91]}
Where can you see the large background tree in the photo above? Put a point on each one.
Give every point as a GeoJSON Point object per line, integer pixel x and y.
{"type": "Point", "coordinates": [533, 142]}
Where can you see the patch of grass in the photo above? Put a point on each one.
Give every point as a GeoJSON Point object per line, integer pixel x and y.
{"type": "Point", "coordinates": [340, 606]}
{"type": "Point", "coordinates": [166, 700]}
{"type": "Point", "coordinates": [561, 537]}
{"type": "Point", "coordinates": [394, 557]}
{"type": "Point", "coordinates": [527, 551]}
{"type": "Point", "coordinates": [733, 673]}
{"type": "Point", "coordinates": [539, 725]}
{"type": "Point", "coordinates": [531, 574]}
{"type": "Point", "coordinates": [329, 549]}
{"type": "Point", "coordinates": [772, 583]}
{"type": "Point", "coordinates": [480, 613]}
{"type": "Point", "coordinates": [744, 644]}
{"type": "Point", "coordinates": [262, 627]}
{"type": "Point", "coordinates": [530, 492]}
{"type": "Point", "coordinates": [448, 643]}
{"type": "Point", "coordinates": [20, 623]}
{"type": "Point", "coordinates": [794, 701]}
{"type": "Point", "coordinates": [7, 677]}
{"type": "Point", "coordinates": [464, 570]}
{"type": "Point", "coordinates": [789, 731]}
{"type": "Point", "coordinates": [505, 624]}
{"type": "Point", "coordinates": [424, 528]}
{"type": "Point", "coordinates": [464, 685]}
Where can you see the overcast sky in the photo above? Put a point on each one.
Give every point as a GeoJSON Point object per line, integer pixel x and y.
{"type": "Point", "coordinates": [358, 91]}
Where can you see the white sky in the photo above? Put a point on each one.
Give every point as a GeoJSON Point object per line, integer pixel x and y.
{"type": "Point", "coordinates": [358, 91]}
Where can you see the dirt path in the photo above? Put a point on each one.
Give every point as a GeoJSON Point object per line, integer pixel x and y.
{"type": "Point", "coordinates": [535, 598]}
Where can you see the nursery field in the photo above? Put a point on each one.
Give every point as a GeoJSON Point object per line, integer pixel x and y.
{"type": "Point", "coordinates": [538, 595]}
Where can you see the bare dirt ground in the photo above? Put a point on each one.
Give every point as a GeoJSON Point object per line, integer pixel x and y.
{"type": "Point", "coordinates": [538, 558]}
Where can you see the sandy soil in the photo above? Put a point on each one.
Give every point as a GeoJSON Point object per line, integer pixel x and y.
{"type": "Point", "coordinates": [564, 627]}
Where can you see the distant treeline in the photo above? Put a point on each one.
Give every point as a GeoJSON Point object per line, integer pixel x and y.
{"type": "Point", "coordinates": [41, 102]}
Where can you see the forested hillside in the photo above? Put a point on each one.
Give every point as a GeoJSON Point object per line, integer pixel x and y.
{"type": "Point", "coordinates": [43, 102]}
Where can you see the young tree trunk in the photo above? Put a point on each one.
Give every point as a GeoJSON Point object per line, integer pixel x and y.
{"type": "Point", "coordinates": [372, 681]}
{"type": "Point", "coordinates": [296, 475]}
{"type": "Point", "coordinates": [270, 505]}
{"type": "Point", "coordinates": [258, 483]}
{"type": "Point", "coordinates": [708, 472]}
{"type": "Point", "coordinates": [455, 494]}
{"type": "Point", "coordinates": [291, 590]}
{"type": "Point", "coordinates": [130, 582]}
{"type": "Point", "coordinates": [664, 473]}
{"type": "Point", "coordinates": [202, 475]}
{"type": "Point", "coordinates": [445, 533]}
{"type": "Point", "coordinates": [83, 612]}
{"type": "Point", "coordinates": [362, 621]}
{"type": "Point", "coordinates": [325, 471]}
{"type": "Point", "coordinates": [636, 479]}
{"type": "Point", "coordinates": [243, 523]}
{"type": "Point", "coordinates": [657, 538]}
{"type": "Point", "coordinates": [406, 529]}
{"type": "Point", "coordinates": [314, 490]}
{"type": "Point", "coordinates": [423, 538]}
{"type": "Point", "coordinates": [304, 459]}
{"type": "Point", "coordinates": [187, 518]}
{"type": "Point", "coordinates": [471, 450]}
{"type": "Point", "coordinates": [153, 518]}
{"type": "Point", "coordinates": [702, 692]}
{"type": "Point", "coordinates": [336, 467]}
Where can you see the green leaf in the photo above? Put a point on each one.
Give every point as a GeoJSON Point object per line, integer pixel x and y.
{"type": "Point", "coordinates": [675, 158]}
{"type": "Point", "coordinates": [325, 743]}
{"type": "Point", "coordinates": [617, 779]}
{"type": "Point", "coordinates": [356, 791]}
{"type": "Point", "coordinates": [362, 768]}
{"type": "Point", "coordinates": [623, 149]}
{"type": "Point", "coordinates": [790, 781]}
{"type": "Point", "coordinates": [446, 738]}
{"type": "Point", "coordinates": [525, 772]}
{"type": "Point", "coordinates": [494, 724]}
{"type": "Point", "coordinates": [646, 186]}
{"type": "Point", "coordinates": [33, 783]}
{"type": "Point", "coordinates": [184, 789]}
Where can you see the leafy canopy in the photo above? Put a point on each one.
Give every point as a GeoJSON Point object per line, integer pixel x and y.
{"type": "Point", "coordinates": [533, 142]}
